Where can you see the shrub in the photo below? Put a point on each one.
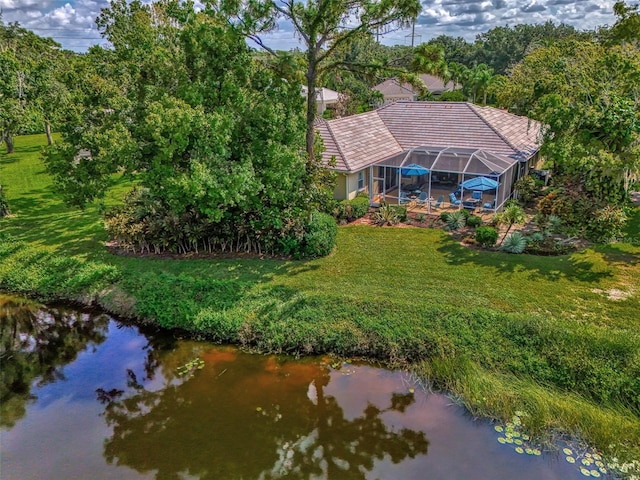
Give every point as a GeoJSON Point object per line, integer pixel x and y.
{"type": "Point", "coordinates": [401, 212]}
{"type": "Point", "coordinates": [349, 210]}
{"type": "Point", "coordinates": [474, 221]}
{"type": "Point", "coordinates": [444, 216]}
{"type": "Point", "coordinates": [319, 236]}
{"type": "Point", "coordinates": [456, 220]}
{"type": "Point", "coordinates": [514, 243]}
{"type": "Point", "coordinates": [466, 213]}
{"type": "Point", "coordinates": [486, 236]}
{"type": "Point", "coordinates": [606, 223]}
{"type": "Point", "coordinates": [528, 188]}
{"type": "Point", "coordinates": [4, 206]}
{"type": "Point", "coordinates": [421, 217]}
{"type": "Point", "coordinates": [385, 215]}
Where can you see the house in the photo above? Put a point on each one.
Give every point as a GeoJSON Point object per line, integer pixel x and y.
{"type": "Point", "coordinates": [325, 97]}
{"type": "Point", "coordinates": [451, 142]}
{"type": "Point", "coordinates": [393, 90]}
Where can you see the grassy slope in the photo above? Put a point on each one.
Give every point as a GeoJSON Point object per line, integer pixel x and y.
{"type": "Point", "coordinates": [508, 332]}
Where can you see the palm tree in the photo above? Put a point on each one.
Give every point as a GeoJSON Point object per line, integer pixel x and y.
{"type": "Point", "coordinates": [430, 59]}
{"type": "Point", "coordinates": [512, 214]}
{"type": "Point", "coordinates": [480, 78]}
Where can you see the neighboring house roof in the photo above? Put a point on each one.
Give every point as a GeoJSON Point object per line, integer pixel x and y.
{"type": "Point", "coordinates": [361, 140]}
{"type": "Point", "coordinates": [393, 88]}
{"type": "Point", "coordinates": [323, 94]}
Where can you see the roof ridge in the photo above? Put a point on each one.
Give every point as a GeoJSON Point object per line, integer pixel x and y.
{"type": "Point", "coordinates": [473, 108]}
{"type": "Point", "coordinates": [385, 123]}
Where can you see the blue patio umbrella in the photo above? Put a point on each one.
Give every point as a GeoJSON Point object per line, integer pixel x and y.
{"type": "Point", "coordinates": [414, 170]}
{"type": "Point", "coordinates": [481, 184]}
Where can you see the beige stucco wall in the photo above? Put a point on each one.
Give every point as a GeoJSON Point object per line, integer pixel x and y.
{"type": "Point", "coordinates": [347, 185]}
{"type": "Point", "coordinates": [340, 192]}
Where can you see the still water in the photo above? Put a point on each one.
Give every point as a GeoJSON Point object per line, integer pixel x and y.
{"type": "Point", "coordinates": [86, 397]}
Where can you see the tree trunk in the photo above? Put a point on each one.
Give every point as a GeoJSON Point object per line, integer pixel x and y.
{"type": "Point", "coordinates": [8, 140]}
{"type": "Point", "coordinates": [47, 130]}
{"type": "Point", "coordinates": [484, 97]}
{"type": "Point", "coordinates": [311, 75]}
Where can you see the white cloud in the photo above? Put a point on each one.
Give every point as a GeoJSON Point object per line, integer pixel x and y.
{"type": "Point", "coordinates": [72, 23]}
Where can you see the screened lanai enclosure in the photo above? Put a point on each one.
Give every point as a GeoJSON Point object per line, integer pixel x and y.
{"type": "Point", "coordinates": [431, 178]}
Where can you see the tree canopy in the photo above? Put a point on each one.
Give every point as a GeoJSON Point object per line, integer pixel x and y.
{"type": "Point", "coordinates": [213, 139]}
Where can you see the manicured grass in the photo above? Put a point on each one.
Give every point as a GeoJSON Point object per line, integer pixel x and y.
{"type": "Point", "coordinates": [507, 332]}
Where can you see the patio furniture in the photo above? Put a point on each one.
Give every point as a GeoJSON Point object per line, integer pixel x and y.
{"type": "Point", "coordinates": [422, 198]}
{"type": "Point", "coordinates": [404, 198]}
{"type": "Point", "coordinates": [470, 204]}
{"type": "Point", "coordinates": [489, 205]}
{"type": "Point", "coordinates": [454, 201]}
{"type": "Point", "coordinates": [477, 195]}
{"type": "Point", "coordinates": [438, 202]}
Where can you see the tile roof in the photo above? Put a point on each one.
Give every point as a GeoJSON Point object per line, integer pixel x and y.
{"type": "Point", "coordinates": [361, 140]}
{"type": "Point", "coordinates": [393, 87]}
{"type": "Point", "coordinates": [356, 140]}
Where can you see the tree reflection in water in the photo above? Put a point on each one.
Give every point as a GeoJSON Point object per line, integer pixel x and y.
{"type": "Point", "coordinates": [249, 416]}
{"type": "Point", "coordinates": [36, 343]}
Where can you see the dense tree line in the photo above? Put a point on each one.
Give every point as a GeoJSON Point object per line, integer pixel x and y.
{"type": "Point", "coordinates": [587, 95]}
{"type": "Point", "coordinates": [221, 145]}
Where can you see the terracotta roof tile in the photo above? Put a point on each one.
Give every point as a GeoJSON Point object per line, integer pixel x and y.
{"type": "Point", "coordinates": [361, 140]}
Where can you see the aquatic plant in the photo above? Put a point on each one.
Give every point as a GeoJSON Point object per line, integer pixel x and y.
{"type": "Point", "coordinates": [188, 369]}
{"type": "Point", "coordinates": [513, 434]}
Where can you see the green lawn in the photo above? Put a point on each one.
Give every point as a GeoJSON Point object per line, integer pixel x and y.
{"type": "Point", "coordinates": [508, 332]}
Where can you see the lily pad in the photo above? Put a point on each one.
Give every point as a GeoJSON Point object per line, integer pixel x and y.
{"type": "Point", "coordinates": [571, 460]}
{"type": "Point", "coordinates": [585, 472]}
{"type": "Point", "coordinates": [594, 473]}
{"type": "Point", "coordinates": [519, 449]}
{"type": "Point", "coordinates": [567, 451]}
{"type": "Point", "coordinates": [502, 440]}
{"type": "Point", "coordinates": [498, 428]}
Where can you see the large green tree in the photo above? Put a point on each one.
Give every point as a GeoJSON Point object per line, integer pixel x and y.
{"type": "Point", "coordinates": [214, 139]}
{"type": "Point", "coordinates": [30, 88]}
{"type": "Point", "coordinates": [323, 26]}
{"type": "Point", "coordinates": [588, 97]}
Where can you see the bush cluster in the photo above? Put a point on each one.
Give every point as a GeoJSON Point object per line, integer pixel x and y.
{"type": "Point", "coordinates": [486, 236]}
{"type": "Point", "coordinates": [144, 225]}
{"type": "Point", "coordinates": [386, 215]}
{"type": "Point", "coordinates": [528, 188]}
{"type": "Point", "coordinates": [349, 210]}
{"type": "Point", "coordinates": [4, 205]}
{"type": "Point", "coordinates": [582, 215]}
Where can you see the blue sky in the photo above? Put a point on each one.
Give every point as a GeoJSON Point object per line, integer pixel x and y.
{"type": "Point", "coordinates": [71, 22]}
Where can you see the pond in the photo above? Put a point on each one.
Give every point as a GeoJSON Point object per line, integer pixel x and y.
{"type": "Point", "coordinates": [86, 396]}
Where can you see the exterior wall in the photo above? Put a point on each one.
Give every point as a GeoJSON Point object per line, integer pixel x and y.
{"type": "Point", "coordinates": [347, 185]}
{"type": "Point", "coordinates": [340, 192]}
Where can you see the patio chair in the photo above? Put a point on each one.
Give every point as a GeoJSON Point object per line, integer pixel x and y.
{"type": "Point", "coordinates": [454, 201]}
{"type": "Point", "coordinates": [404, 198]}
{"type": "Point", "coordinates": [489, 205]}
{"type": "Point", "coordinates": [476, 195]}
{"type": "Point", "coordinates": [423, 199]}
{"type": "Point", "coordinates": [438, 202]}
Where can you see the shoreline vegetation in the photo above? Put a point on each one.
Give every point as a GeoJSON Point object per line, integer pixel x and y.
{"type": "Point", "coordinates": [555, 337]}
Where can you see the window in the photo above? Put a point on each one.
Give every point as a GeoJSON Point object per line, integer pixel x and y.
{"type": "Point", "coordinates": [360, 180]}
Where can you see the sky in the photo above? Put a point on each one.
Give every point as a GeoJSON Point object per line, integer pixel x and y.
{"type": "Point", "coordinates": [71, 22]}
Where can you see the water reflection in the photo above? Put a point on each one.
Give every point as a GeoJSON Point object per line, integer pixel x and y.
{"type": "Point", "coordinates": [243, 416]}
{"type": "Point", "coordinates": [34, 346]}
{"type": "Point", "coordinates": [88, 397]}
